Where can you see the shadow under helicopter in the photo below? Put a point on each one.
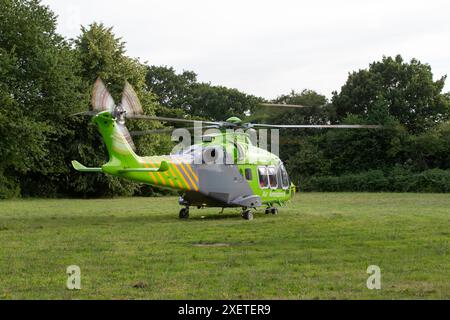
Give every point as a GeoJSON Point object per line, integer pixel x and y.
{"type": "Point", "coordinates": [57, 222]}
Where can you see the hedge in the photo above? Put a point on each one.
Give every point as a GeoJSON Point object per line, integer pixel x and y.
{"type": "Point", "coordinates": [435, 180]}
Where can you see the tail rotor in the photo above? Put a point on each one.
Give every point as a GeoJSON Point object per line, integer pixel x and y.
{"type": "Point", "coordinates": [102, 101]}
{"type": "Point", "coordinates": [101, 98]}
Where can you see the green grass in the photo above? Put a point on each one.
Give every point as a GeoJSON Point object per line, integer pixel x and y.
{"type": "Point", "coordinates": [318, 247]}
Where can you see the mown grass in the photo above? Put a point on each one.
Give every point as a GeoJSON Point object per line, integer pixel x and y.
{"type": "Point", "coordinates": [318, 247]}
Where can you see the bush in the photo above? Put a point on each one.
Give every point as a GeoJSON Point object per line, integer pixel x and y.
{"type": "Point", "coordinates": [394, 180]}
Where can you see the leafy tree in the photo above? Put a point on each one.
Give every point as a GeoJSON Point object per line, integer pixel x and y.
{"type": "Point", "coordinates": [219, 103]}
{"type": "Point", "coordinates": [173, 90]}
{"type": "Point", "coordinates": [429, 150]}
{"type": "Point", "coordinates": [181, 94]}
{"type": "Point", "coordinates": [317, 109]}
{"type": "Point", "coordinates": [298, 147]}
{"type": "Point", "coordinates": [413, 97]}
{"type": "Point", "coordinates": [38, 89]}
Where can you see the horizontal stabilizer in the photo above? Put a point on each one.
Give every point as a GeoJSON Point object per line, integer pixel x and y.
{"type": "Point", "coordinates": [79, 167]}
{"type": "Point", "coordinates": [163, 167]}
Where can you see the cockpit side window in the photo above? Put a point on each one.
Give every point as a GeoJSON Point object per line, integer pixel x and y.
{"type": "Point", "coordinates": [284, 177]}
{"type": "Point", "coordinates": [263, 177]}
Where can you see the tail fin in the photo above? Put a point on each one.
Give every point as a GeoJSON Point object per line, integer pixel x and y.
{"type": "Point", "coordinates": [118, 142]}
{"type": "Point", "coordinates": [110, 119]}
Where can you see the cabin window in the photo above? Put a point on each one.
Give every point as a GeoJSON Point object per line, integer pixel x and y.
{"type": "Point", "coordinates": [272, 177]}
{"type": "Point", "coordinates": [263, 177]}
{"type": "Point", "coordinates": [284, 177]}
{"type": "Point", "coordinates": [248, 174]}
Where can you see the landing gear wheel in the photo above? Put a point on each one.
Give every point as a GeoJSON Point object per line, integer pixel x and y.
{"type": "Point", "coordinates": [268, 210]}
{"type": "Point", "coordinates": [274, 211]}
{"type": "Point", "coordinates": [184, 213]}
{"type": "Point", "coordinates": [247, 215]}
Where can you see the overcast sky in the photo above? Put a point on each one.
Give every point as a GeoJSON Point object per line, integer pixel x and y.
{"type": "Point", "coordinates": [267, 48]}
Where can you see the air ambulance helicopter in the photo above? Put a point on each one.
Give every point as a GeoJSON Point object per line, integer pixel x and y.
{"type": "Point", "coordinates": [224, 169]}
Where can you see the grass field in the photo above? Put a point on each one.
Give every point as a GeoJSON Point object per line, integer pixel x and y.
{"type": "Point", "coordinates": [318, 247]}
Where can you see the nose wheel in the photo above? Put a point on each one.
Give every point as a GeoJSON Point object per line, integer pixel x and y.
{"type": "Point", "coordinates": [184, 213]}
{"type": "Point", "coordinates": [272, 210]}
{"type": "Point", "coordinates": [247, 214]}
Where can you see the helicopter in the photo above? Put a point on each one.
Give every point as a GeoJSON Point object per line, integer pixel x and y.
{"type": "Point", "coordinates": [225, 169]}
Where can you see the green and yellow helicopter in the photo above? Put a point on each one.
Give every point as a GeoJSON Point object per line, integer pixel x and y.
{"type": "Point", "coordinates": [224, 169]}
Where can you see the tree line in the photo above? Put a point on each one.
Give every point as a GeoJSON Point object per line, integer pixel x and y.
{"type": "Point", "coordinates": [45, 78]}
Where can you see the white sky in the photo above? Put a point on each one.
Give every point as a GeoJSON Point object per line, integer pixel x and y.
{"type": "Point", "coordinates": [267, 48]}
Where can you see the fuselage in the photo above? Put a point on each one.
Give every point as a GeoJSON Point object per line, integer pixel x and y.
{"type": "Point", "coordinates": [226, 171]}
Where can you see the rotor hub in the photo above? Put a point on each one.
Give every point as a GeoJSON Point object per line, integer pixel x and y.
{"type": "Point", "coordinates": [234, 120]}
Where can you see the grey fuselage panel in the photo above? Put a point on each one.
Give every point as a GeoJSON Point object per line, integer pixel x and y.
{"type": "Point", "coordinates": [224, 184]}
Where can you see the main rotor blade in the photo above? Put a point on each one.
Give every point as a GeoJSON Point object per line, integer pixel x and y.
{"type": "Point", "coordinates": [323, 126]}
{"type": "Point", "coordinates": [283, 105]}
{"type": "Point", "coordinates": [210, 124]}
{"type": "Point", "coordinates": [164, 130]}
{"type": "Point", "coordinates": [154, 131]}
{"type": "Point", "coordinates": [165, 119]}
{"type": "Point", "coordinates": [85, 113]}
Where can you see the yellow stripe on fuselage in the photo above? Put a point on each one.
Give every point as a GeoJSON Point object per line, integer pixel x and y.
{"type": "Point", "coordinates": [192, 172]}
{"type": "Point", "coordinates": [151, 175]}
{"type": "Point", "coordinates": [182, 176]}
{"type": "Point", "coordinates": [160, 175]}
{"type": "Point", "coordinates": [178, 176]}
{"type": "Point", "coordinates": [175, 177]}
{"type": "Point", "coordinates": [194, 185]}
